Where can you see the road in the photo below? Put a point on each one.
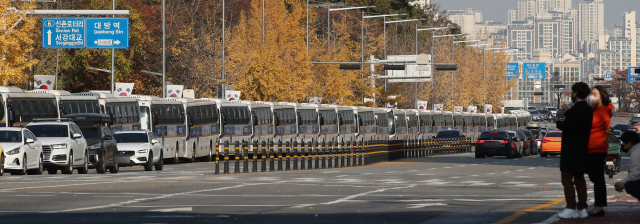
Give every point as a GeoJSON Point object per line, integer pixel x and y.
{"type": "Point", "coordinates": [439, 189]}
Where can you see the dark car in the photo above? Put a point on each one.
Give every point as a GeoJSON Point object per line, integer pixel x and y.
{"type": "Point", "coordinates": [530, 143]}
{"type": "Point", "coordinates": [448, 134]}
{"type": "Point", "coordinates": [103, 149]}
{"type": "Point", "coordinates": [624, 127]}
{"type": "Point", "coordinates": [546, 114]}
{"type": "Point", "coordinates": [634, 120]}
{"type": "Point", "coordinates": [496, 143]}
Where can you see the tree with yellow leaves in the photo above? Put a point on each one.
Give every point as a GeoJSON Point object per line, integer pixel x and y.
{"type": "Point", "coordinates": [16, 32]}
{"type": "Point", "coordinates": [277, 69]}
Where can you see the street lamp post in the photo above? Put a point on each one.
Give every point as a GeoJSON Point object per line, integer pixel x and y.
{"type": "Point", "coordinates": [329, 20]}
{"type": "Point", "coordinates": [385, 31]}
{"type": "Point", "coordinates": [452, 54]}
{"type": "Point", "coordinates": [317, 5]}
{"type": "Point", "coordinates": [362, 32]}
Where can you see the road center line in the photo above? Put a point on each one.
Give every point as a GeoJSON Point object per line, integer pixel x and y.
{"type": "Point", "coordinates": [516, 215]}
{"type": "Point", "coordinates": [363, 194]}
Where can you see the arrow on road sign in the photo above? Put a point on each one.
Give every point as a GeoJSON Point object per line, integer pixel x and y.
{"type": "Point", "coordinates": [49, 35]}
{"type": "Point", "coordinates": [117, 42]}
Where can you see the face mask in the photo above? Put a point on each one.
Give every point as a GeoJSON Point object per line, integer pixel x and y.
{"type": "Point", "coordinates": [591, 99]}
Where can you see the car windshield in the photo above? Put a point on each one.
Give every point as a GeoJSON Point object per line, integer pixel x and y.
{"type": "Point", "coordinates": [91, 133]}
{"type": "Point", "coordinates": [10, 136]}
{"type": "Point", "coordinates": [49, 131]}
{"type": "Point", "coordinates": [544, 111]}
{"type": "Point", "coordinates": [552, 109]}
{"type": "Point", "coordinates": [448, 134]}
{"type": "Point", "coordinates": [554, 134]}
{"type": "Point", "coordinates": [534, 112]}
{"type": "Point", "coordinates": [513, 134]}
{"type": "Point", "coordinates": [131, 137]}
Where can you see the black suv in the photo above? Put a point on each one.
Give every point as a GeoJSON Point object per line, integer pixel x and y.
{"type": "Point", "coordinates": [103, 149]}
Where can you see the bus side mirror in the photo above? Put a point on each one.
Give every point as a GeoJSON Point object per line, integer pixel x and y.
{"type": "Point", "coordinates": [224, 119]}
{"type": "Point", "coordinates": [360, 121]}
{"type": "Point", "coordinates": [277, 121]}
{"type": "Point", "coordinates": [255, 120]}
{"type": "Point", "coordinates": [190, 120]}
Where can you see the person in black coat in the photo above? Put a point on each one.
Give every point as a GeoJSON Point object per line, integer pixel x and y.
{"type": "Point", "coordinates": [576, 129]}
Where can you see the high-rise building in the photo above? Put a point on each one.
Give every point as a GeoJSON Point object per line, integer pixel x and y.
{"type": "Point", "coordinates": [466, 19]}
{"type": "Point", "coordinates": [520, 35]}
{"type": "Point", "coordinates": [512, 15]}
{"type": "Point", "coordinates": [529, 9]}
{"type": "Point", "coordinates": [547, 36]}
{"type": "Point", "coordinates": [591, 20]}
{"type": "Point", "coordinates": [622, 50]}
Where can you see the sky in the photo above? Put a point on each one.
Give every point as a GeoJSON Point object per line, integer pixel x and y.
{"type": "Point", "coordinates": [496, 10]}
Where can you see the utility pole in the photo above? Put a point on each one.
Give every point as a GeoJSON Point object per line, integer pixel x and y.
{"type": "Point", "coordinates": [164, 56]}
{"type": "Point", "coordinates": [113, 58]}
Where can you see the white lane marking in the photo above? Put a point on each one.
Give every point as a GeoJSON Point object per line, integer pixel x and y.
{"type": "Point", "coordinates": [526, 185]}
{"type": "Point", "coordinates": [433, 169]}
{"type": "Point", "coordinates": [554, 183]}
{"type": "Point", "coordinates": [522, 177]}
{"type": "Point", "coordinates": [342, 176]}
{"type": "Point", "coordinates": [471, 182]}
{"type": "Point", "coordinates": [462, 165]}
{"type": "Point", "coordinates": [363, 194]}
{"type": "Point", "coordinates": [325, 172]}
{"type": "Point", "coordinates": [153, 198]}
{"type": "Point", "coordinates": [454, 177]}
{"type": "Point", "coordinates": [185, 209]}
{"type": "Point", "coordinates": [514, 183]}
{"type": "Point", "coordinates": [302, 206]}
{"type": "Point", "coordinates": [412, 170]}
{"type": "Point", "coordinates": [481, 184]}
{"type": "Point", "coordinates": [532, 168]}
{"type": "Point", "coordinates": [426, 205]}
{"type": "Point", "coordinates": [519, 170]}
{"type": "Point", "coordinates": [473, 175]}
{"type": "Point", "coordinates": [491, 173]}
{"type": "Point", "coordinates": [425, 174]}
{"type": "Point", "coordinates": [308, 180]}
{"type": "Point", "coordinates": [114, 196]}
{"type": "Point", "coordinates": [447, 167]}
{"type": "Point", "coordinates": [52, 186]}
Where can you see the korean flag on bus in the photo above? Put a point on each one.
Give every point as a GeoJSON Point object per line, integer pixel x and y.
{"type": "Point", "coordinates": [438, 107]}
{"type": "Point", "coordinates": [44, 81]}
{"type": "Point", "coordinates": [421, 105]}
{"type": "Point", "coordinates": [488, 108]}
{"type": "Point", "coordinates": [175, 91]}
{"type": "Point", "coordinates": [124, 89]}
{"type": "Point", "coordinates": [233, 95]}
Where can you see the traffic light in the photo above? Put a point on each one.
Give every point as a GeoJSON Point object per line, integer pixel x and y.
{"type": "Point", "coordinates": [350, 66]}
{"type": "Point", "coordinates": [598, 79]}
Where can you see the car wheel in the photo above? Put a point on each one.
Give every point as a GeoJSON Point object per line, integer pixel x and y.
{"type": "Point", "coordinates": [544, 154]}
{"type": "Point", "coordinates": [210, 157]}
{"type": "Point", "coordinates": [115, 168]}
{"type": "Point", "coordinates": [1, 164]}
{"type": "Point", "coordinates": [160, 163]}
{"type": "Point", "coordinates": [149, 165]}
{"type": "Point", "coordinates": [40, 168]}
{"type": "Point", "coordinates": [85, 164]}
{"type": "Point", "coordinates": [102, 166]}
{"type": "Point", "coordinates": [22, 171]}
{"type": "Point", "coordinates": [176, 159]}
{"type": "Point", "coordinates": [69, 168]}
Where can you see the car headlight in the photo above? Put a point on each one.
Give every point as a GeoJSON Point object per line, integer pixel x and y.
{"type": "Point", "coordinates": [59, 146]}
{"type": "Point", "coordinates": [143, 151]}
{"type": "Point", "coordinates": [13, 151]}
{"type": "Point", "coordinates": [95, 146]}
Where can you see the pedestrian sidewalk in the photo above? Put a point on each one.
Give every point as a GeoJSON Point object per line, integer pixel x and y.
{"type": "Point", "coordinates": [619, 210]}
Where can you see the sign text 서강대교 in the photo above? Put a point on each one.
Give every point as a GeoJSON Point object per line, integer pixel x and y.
{"type": "Point", "coordinates": [85, 32]}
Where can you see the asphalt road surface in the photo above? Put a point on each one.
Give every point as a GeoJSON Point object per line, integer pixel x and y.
{"type": "Point", "coordinates": [440, 189]}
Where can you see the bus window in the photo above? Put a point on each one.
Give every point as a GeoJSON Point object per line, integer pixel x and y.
{"type": "Point", "coordinates": [145, 121]}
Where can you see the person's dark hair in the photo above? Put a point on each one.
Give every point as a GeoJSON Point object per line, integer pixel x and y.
{"type": "Point", "coordinates": [582, 89]}
{"type": "Point", "coordinates": [604, 95]}
{"type": "Point", "coordinates": [630, 136]}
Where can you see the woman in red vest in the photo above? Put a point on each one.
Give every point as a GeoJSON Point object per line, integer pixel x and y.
{"type": "Point", "coordinates": [598, 146]}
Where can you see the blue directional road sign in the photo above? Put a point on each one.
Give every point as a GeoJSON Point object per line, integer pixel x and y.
{"type": "Point", "coordinates": [608, 75]}
{"type": "Point", "coordinates": [535, 70]}
{"type": "Point", "coordinates": [107, 32]}
{"type": "Point", "coordinates": [632, 75]}
{"type": "Point", "coordinates": [512, 70]}
{"type": "Point", "coordinates": [58, 32]}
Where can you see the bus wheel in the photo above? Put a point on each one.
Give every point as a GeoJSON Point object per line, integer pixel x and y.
{"type": "Point", "coordinates": [176, 159]}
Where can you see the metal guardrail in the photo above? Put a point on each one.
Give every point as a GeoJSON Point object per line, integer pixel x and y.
{"type": "Point", "coordinates": [307, 156]}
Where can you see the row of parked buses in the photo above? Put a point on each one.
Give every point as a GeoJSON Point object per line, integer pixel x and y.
{"type": "Point", "coordinates": [191, 128]}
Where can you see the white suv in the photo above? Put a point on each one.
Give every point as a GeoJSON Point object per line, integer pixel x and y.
{"type": "Point", "coordinates": [63, 145]}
